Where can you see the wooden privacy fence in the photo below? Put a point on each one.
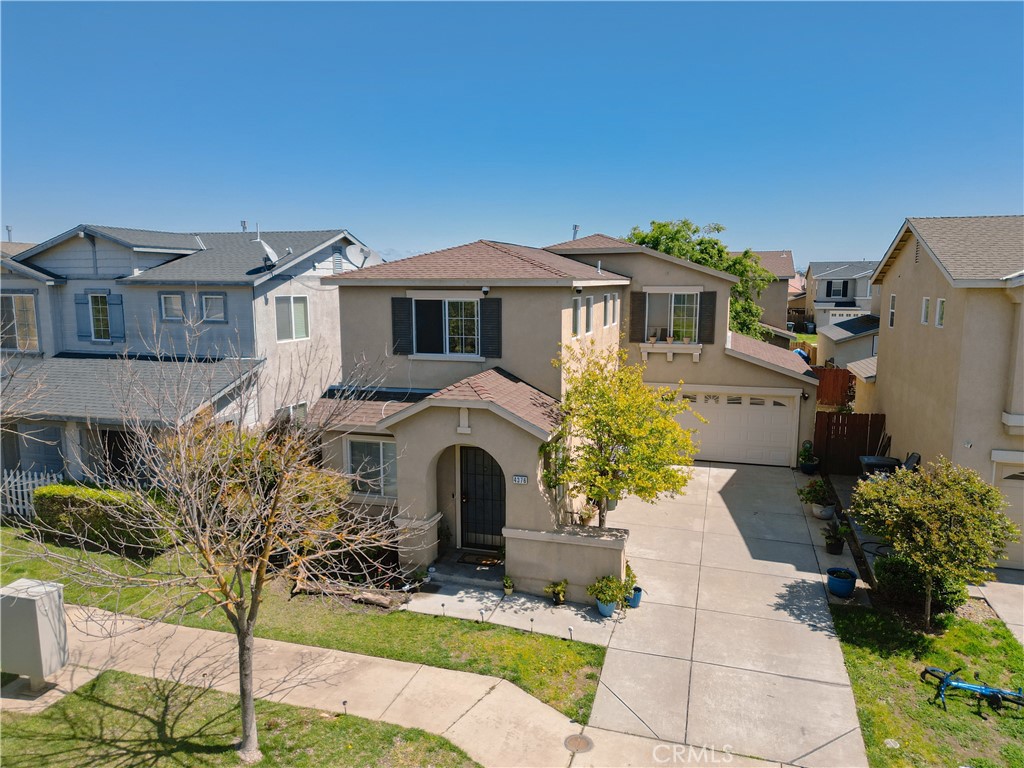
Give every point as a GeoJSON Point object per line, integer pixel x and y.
{"type": "Point", "coordinates": [17, 489]}
{"type": "Point", "coordinates": [810, 349]}
{"type": "Point", "coordinates": [835, 385]}
{"type": "Point", "coordinates": [840, 439]}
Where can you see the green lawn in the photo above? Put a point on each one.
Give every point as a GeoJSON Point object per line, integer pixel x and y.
{"type": "Point", "coordinates": [810, 338]}
{"type": "Point", "coordinates": [558, 672]}
{"type": "Point", "coordinates": [124, 720]}
{"type": "Point", "coordinates": [884, 660]}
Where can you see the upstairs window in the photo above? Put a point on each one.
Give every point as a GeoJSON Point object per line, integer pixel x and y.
{"type": "Point", "coordinates": [607, 309]}
{"type": "Point", "coordinates": [372, 464]}
{"type": "Point", "coordinates": [892, 310]}
{"type": "Point", "coordinates": [615, 308]}
{"type": "Point", "coordinates": [18, 322]}
{"type": "Point", "coordinates": [577, 308]}
{"type": "Point", "coordinates": [446, 327]}
{"type": "Point", "coordinates": [940, 313]}
{"type": "Point", "coordinates": [100, 317]}
{"type": "Point", "coordinates": [172, 307]}
{"type": "Point", "coordinates": [214, 308]}
{"type": "Point", "coordinates": [926, 309]}
{"type": "Point", "coordinates": [590, 314]}
{"type": "Point", "coordinates": [672, 314]}
{"type": "Point", "coordinates": [292, 317]}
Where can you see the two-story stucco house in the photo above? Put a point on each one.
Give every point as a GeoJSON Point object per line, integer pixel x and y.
{"type": "Point", "coordinates": [949, 374]}
{"type": "Point", "coordinates": [774, 299]}
{"type": "Point", "coordinates": [838, 290]}
{"type": "Point", "coordinates": [468, 393]}
{"type": "Point", "coordinates": [229, 305]}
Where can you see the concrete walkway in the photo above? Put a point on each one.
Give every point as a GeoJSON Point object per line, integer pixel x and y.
{"type": "Point", "coordinates": [733, 646]}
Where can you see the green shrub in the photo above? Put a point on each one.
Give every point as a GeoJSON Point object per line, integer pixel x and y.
{"type": "Point", "coordinates": [899, 581]}
{"type": "Point", "coordinates": [95, 517]}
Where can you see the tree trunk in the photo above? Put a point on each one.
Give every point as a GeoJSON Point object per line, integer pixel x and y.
{"type": "Point", "coordinates": [602, 512]}
{"type": "Point", "coordinates": [249, 747]}
{"type": "Point", "coordinates": [928, 602]}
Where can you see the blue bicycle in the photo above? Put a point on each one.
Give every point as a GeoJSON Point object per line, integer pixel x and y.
{"type": "Point", "coordinates": [995, 697]}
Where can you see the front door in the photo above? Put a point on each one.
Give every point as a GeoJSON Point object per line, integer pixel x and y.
{"type": "Point", "coordinates": [482, 506]}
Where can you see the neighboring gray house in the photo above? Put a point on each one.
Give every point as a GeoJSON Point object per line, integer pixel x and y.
{"type": "Point", "coordinates": [81, 306]}
{"type": "Point", "coordinates": [848, 340]}
{"type": "Point", "coordinates": [839, 290]}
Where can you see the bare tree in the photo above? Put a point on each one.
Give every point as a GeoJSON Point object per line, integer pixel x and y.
{"type": "Point", "coordinates": [216, 502]}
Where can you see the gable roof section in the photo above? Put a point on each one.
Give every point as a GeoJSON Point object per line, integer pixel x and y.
{"type": "Point", "coordinates": [13, 249]}
{"type": "Point", "coordinates": [972, 251]}
{"type": "Point", "coordinates": [204, 258]}
{"type": "Point", "coordinates": [30, 270]}
{"type": "Point", "coordinates": [768, 356]}
{"type": "Point", "coordinates": [840, 270]}
{"type": "Point", "coordinates": [500, 392]}
{"type": "Point", "coordinates": [598, 244]}
{"type": "Point", "coordinates": [853, 328]}
{"type": "Point", "coordinates": [779, 263]}
{"type": "Point", "coordinates": [866, 369]}
{"type": "Point", "coordinates": [484, 261]}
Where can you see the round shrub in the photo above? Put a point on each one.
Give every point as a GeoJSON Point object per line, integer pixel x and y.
{"type": "Point", "coordinates": [96, 518]}
{"type": "Point", "coordinates": [900, 582]}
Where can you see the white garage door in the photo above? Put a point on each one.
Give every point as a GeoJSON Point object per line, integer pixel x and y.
{"type": "Point", "coordinates": [747, 428]}
{"type": "Point", "coordinates": [1010, 480]}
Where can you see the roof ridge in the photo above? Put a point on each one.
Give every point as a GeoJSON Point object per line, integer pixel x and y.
{"type": "Point", "coordinates": [981, 216]}
{"type": "Point", "coordinates": [523, 257]}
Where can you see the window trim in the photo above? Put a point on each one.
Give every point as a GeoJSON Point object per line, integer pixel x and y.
{"type": "Point", "coordinates": [615, 308]}
{"type": "Point", "coordinates": [940, 313]}
{"type": "Point", "coordinates": [92, 317]}
{"type": "Point", "coordinates": [380, 441]}
{"type": "Point", "coordinates": [588, 318]}
{"type": "Point", "coordinates": [671, 304]}
{"type": "Point", "coordinates": [606, 307]}
{"type": "Point", "coordinates": [13, 295]}
{"type": "Point", "coordinates": [577, 315]}
{"type": "Point", "coordinates": [223, 296]}
{"type": "Point", "coordinates": [446, 353]}
{"type": "Point", "coordinates": [833, 294]}
{"type": "Point", "coordinates": [926, 309]}
{"type": "Point", "coordinates": [291, 303]}
{"type": "Point", "coordinates": [289, 410]}
{"type": "Point", "coordinates": [163, 314]}
{"type": "Point", "coordinates": [892, 310]}
{"type": "Point", "coordinates": [874, 345]}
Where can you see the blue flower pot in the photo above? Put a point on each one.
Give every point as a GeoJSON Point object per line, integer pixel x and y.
{"type": "Point", "coordinates": [634, 601]}
{"type": "Point", "coordinates": [841, 586]}
{"type": "Point", "coordinates": [605, 609]}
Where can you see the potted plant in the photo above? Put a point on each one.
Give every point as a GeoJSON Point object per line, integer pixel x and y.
{"type": "Point", "coordinates": [835, 534]}
{"type": "Point", "coordinates": [557, 590]}
{"type": "Point", "coordinates": [816, 494]}
{"type": "Point", "coordinates": [670, 339]}
{"type": "Point", "coordinates": [633, 592]}
{"type": "Point", "coordinates": [508, 585]}
{"type": "Point", "coordinates": [841, 581]}
{"type": "Point", "coordinates": [587, 513]}
{"type": "Point", "coordinates": [652, 338]}
{"type": "Point", "coordinates": [608, 591]}
{"type": "Point", "coordinates": [808, 461]}
{"type": "Point", "coordinates": [686, 339]}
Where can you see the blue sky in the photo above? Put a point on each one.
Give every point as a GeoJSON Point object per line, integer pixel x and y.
{"type": "Point", "coordinates": [815, 127]}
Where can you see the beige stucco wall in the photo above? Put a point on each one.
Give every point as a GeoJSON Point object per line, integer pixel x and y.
{"type": "Point", "coordinates": [579, 555]}
{"type": "Point", "coordinates": [843, 353]}
{"type": "Point", "coordinates": [774, 301]}
{"type": "Point", "coordinates": [866, 400]}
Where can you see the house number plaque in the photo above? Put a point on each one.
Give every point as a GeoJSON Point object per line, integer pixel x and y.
{"type": "Point", "coordinates": [519, 480]}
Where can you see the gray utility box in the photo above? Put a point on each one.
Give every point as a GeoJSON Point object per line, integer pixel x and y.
{"type": "Point", "coordinates": [33, 633]}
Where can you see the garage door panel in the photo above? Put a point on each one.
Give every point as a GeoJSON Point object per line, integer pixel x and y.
{"type": "Point", "coordinates": [749, 429]}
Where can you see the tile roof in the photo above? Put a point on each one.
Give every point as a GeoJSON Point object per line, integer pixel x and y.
{"type": "Point", "coordinates": [509, 392]}
{"type": "Point", "coordinates": [99, 388]}
{"type": "Point", "coordinates": [975, 247]}
{"type": "Point", "coordinates": [865, 369]}
{"type": "Point", "coordinates": [840, 270]}
{"type": "Point", "coordinates": [353, 413]}
{"type": "Point", "coordinates": [768, 353]}
{"type": "Point", "coordinates": [597, 241]}
{"type": "Point", "coordinates": [852, 328]}
{"type": "Point", "coordinates": [13, 249]}
{"type": "Point", "coordinates": [480, 260]}
{"type": "Point", "coordinates": [779, 263]}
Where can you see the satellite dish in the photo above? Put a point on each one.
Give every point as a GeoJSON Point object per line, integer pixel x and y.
{"type": "Point", "coordinates": [270, 257]}
{"type": "Point", "coordinates": [356, 256]}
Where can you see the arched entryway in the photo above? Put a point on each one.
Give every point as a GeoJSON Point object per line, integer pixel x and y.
{"type": "Point", "coordinates": [481, 492]}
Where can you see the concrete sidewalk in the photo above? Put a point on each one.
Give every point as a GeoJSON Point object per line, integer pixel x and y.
{"type": "Point", "coordinates": [495, 722]}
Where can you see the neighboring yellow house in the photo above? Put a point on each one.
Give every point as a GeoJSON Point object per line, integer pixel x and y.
{"type": "Point", "coordinates": [950, 364]}
{"type": "Point", "coordinates": [463, 392]}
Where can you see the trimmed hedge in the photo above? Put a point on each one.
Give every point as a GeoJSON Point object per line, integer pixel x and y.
{"type": "Point", "coordinates": [900, 582]}
{"type": "Point", "coordinates": [79, 514]}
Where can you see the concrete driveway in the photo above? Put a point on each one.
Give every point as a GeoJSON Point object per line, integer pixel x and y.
{"type": "Point", "coordinates": [733, 647]}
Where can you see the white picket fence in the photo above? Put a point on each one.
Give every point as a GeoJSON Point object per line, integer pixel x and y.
{"type": "Point", "coordinates": [17, 487]}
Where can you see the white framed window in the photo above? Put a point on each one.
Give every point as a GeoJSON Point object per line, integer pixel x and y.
{"type": "Point", "coordinates": [292, 317]}
{"type": "Point", "coordinates": [590, 315]}
{"type": "Point", "coordinates": [446, 326]}
{"type": "Point", "coordinates": [836, 289]}
{"type": "Point", "coordinates": [874, 345]}
{"type": "Point", "coordinates": [18, 322]}
{"type": "Point", "coordinates": [577, 310]}
{"type": "Point", "coordinates": [615, 308]}
{"type": "Point", "coordinates": [172, 307]}
{"type": "Point", "coordinates": [940, 313]}
{"type": "Point", "coordinates": [607, 309]}
{"type": "Point", "coordinates": [214, 306]}
{"type": "Point", "coordinates": [99, 313]}
{"type": "Point", "coordinates": [373, 466]}
{"type": "Point", "coordinates": [892, 310]}
{"type": "Point", "coordinates": [295, 412]}
{"type": "Point", "coordinates": [926, 309]}
{"type": "Point", "coordinates": [672, 314]}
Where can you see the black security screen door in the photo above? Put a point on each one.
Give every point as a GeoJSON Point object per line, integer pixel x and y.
{"type": "Point", "coordinates": [483, 499]}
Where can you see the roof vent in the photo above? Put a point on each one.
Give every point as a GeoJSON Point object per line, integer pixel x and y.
{"type": "Point", "coordinates": [245, 225]}
{"type": "Point", "coordinates": [575, 230]}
